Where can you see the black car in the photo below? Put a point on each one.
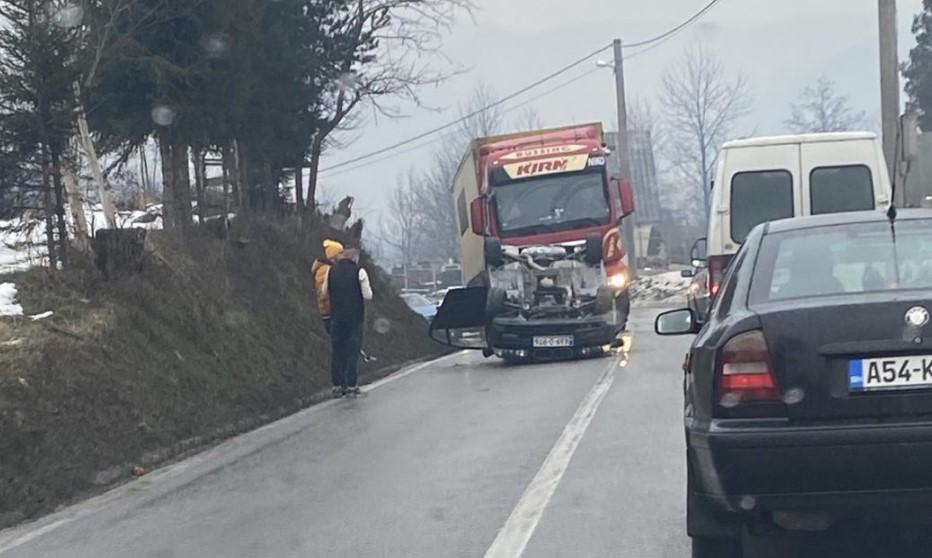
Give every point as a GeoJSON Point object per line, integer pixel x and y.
{"type": "Point", "coordinates": [808, 392]}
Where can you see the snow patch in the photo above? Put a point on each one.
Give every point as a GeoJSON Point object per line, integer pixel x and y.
{"type": "Point", "coordinates": [8, 305]}
{"type": "Point", "coordinates": [666, 288]}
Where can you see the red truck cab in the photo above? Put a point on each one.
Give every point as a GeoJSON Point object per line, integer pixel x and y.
{"type": "Point", "coordinates": [539, 220]}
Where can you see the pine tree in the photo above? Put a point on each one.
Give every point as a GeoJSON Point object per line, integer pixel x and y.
{"type": "Point", "coordinates": [918, 71]}
{"type": "Point", "coordinates": [38, 54]}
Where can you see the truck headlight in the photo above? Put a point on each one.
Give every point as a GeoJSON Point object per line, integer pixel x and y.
{"type": "Point", "coordinates": [618, 281]}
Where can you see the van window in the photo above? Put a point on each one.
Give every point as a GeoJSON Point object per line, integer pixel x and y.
{"type": "Point", "coordinates": [837, 189]}
{"type": "Point", "coordinates": [758, 197]}
{"type": "Point", "coordinates": [462, 213]}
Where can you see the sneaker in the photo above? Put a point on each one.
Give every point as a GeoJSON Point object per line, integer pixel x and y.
{"type": "Point", "coordinates": [353, 391]}
{"type": "Point", "coordinates": [336, 392]}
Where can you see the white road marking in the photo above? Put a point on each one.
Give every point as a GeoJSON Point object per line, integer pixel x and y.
{"type": "Point", "coordinates": [514, 536]}
{"type": "Point", "coordinates": [408, 371]}
{"type": "Point", "coordinates": [215, 458]}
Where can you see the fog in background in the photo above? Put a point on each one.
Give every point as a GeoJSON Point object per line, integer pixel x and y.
{"type": "Point", "coordinates": [780, 47]}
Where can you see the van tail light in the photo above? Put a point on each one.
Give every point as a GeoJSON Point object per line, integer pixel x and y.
{"type": "Point", "coordinates": [745, 371]}
{"type": "Point", "coordinates": [717, 266]}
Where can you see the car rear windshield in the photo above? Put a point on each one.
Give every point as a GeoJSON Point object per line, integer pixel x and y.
{"type": "Point", "coordinates": [758, 197]}
{"type": "Point", "coordinates": [837, 189]}
{"type": "Point", "coordinates": [844, 259]}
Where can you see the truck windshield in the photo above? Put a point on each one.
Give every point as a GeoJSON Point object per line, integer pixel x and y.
{"type": "Point", "coordinates": [551, 203]}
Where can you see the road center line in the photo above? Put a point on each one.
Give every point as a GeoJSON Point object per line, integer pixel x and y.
{"type": "Point", "coordinates": [513, 537]}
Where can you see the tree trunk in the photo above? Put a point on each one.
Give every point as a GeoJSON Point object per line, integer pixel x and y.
{"type": "Point", "coordinates": [226, 156]}
{"type": "Point", "coordinates": [200, 184]}
{"type": "Point", "coordinates": [49, 215]}
{"type": "Point", "coordinates": [242, 172]}
{"type": "Point", "coordinates": [182, 185]}
{"type": "Point", "coordinates": [269, 188]}
{"type": "Point", "coordinates": [144, 176]}
{"type": "Point", "coordinates": [76, 203]}
{"type": "Point", "coordinates": [169, 209]}
{"type": "Point", "coordinates": [316, 150]}
{"type": "Point", "coordinates": [60, 207]}
{"type": "Point", "coordinates": [103, 191]}
{"type": "Point", "coordinates": [299, 193]}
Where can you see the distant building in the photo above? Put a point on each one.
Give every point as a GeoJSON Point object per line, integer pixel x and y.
{"type": "Point", "coordinates": [643, 174]}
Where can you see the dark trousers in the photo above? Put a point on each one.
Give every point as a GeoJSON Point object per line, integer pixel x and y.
{"type": "Point", "coordinates": [326, 320]}
{"type": "Point", "coordinates": [345, 343]}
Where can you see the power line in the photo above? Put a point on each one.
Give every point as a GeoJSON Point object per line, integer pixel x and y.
{"type": "Point", "coordinates": [677, 29]}
{"type": "Point", "coordinates": [649, 43]}
{"type": "Point", "coordinates": [448, 125]}
{"type": "Point", "coordinates": [422, 145]}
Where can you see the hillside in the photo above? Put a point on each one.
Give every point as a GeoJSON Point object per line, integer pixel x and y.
{"type": "Point", "coordinates": [210, 339]}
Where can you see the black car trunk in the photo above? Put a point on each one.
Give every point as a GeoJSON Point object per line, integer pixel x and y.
{"type": "Point", "coordinates": [813, 342]}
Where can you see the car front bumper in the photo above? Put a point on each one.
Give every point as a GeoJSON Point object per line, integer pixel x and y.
{"type": "Point", "coordinates": [515, 334]}
{"type": "Point", "coordinates": [847, 470]}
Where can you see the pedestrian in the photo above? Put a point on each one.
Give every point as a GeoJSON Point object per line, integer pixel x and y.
{"type": "Point", "coordinates": [349, 288]}
{"type": "Point", "coordinates": [321, 269]}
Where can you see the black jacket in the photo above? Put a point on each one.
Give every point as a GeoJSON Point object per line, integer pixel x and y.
{"type": "Point", "coordinates": [346, 301]}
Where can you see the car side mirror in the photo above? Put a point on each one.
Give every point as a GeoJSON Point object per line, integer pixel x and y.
{"type": "Point", "coordinates": [699, 252]}
{"type": "Point", "coordinates": [626, 195]}
{"type": "Point", "coordinates": [687, 273]}
{"type": "Point", "coordinates": [676, 322]}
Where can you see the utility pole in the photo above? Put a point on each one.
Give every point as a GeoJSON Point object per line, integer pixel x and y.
{"type": "Point", "coordinates": [890, 93]}
{"type": "Point", "coordinates": [624, 162]}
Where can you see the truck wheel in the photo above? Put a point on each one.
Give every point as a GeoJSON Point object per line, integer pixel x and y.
{"type": "Point", "coordinates": [495, 302]}
{"type": "Point", "coordinates": [494, 257]}
{"type": "Point", "coordinates": [593, 249]}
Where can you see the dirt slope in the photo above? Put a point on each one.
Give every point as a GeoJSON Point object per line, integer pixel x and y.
{"type": "Point", "coordinates": [209, 340]}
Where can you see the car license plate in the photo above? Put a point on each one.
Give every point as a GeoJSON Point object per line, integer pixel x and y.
{"type": "Point", "coordinates": [890, 373]}
{"type": "Point", "coordinates": [552, 341]}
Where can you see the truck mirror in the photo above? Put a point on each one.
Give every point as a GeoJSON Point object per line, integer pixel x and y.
{"type": "Point", "coordinates": [626, 195]}
{"type": "Point", "coordinates": [461, 320]}
{"type": "Point", "coordinates": [477, 216]}
{"type": "Point", "coordinates": [699, 252]}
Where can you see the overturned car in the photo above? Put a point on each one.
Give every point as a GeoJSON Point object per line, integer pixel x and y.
{"type": "Point", "coordinates": [538, 303]}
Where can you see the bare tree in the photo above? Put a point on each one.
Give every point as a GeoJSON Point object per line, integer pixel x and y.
{"type": "Point", "coordinates": [526, 120]}
{"type": "Point", "coordinates": [480, 115]}
{"type": "Point", "coordinates": [821, 109]}
{"type": "Point", "coordinates": [404, 219]}
{"type": "Point", "coordinates": [641, 117]}
{"type": "Point", "coordinates": [390, 47]}
{"type": "Point", "coordinates": [433, 186]}
{"type": "Point", "coordinates": [700, 106]}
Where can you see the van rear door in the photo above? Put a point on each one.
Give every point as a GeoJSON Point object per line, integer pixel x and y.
{"type": "Point", "coordinates": [761, 184]}
{"type": "Point", "coordinates": [841, 176]}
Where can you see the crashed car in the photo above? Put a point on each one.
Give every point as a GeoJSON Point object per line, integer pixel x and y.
{"type": "Point", "coordinates": [537, 303]}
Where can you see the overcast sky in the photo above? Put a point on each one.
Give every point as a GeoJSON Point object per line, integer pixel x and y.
{"type": "Point", "coordinates": [780, 47]}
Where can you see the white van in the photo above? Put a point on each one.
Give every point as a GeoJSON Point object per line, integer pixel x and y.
{"type": "Point", "coordinates": [769, 178]}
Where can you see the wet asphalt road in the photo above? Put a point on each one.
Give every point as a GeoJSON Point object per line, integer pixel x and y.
{"type": "Point", "coordinates": [463, 457]}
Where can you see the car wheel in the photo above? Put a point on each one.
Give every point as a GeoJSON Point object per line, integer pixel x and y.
{"type": "Point", "coordinates": [709, 547]}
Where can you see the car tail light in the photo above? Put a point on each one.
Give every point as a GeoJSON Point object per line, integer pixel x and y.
{"type": "Point", "coordinates": [717, 266]}
{"type": "Point", "coordinates": [745, 371]}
